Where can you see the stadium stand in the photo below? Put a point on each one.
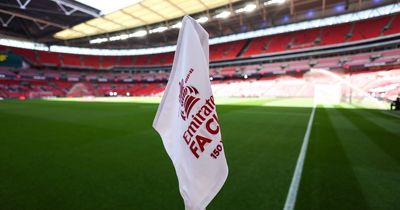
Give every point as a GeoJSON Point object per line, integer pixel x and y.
{"type": "Point", "coordinates": [71, 60]}
{"type": "Point", "coordinates": [302, 88]}
{"type": "Point", "coordinates": [225, 51]}
{"type": "Point", "coordinates": [257, 46]}
{"type": "Point", "coordinates": [305, 39]}
{"type": "Point", "coordinates": [108, 61]}
{"type": "Point", "coordinates": [279, 43]}
{"type": "Point", "coordinates": [54, 74]}
{"type": "Point", "coordinates": [49, 59]}
{"type": "Point", "coordinates": [385, 83]}
{"type": "Point", "coordinates": [325, 36]}
{"type": "Point", "coordinates": [125, 61]}
{"type": "Point", "coordinates": [91, 61]}
{"type": "Point", "coordinates": [142, 60]}
{"type": "Point", "coordinates": [393, 26]}
{"type": "Point", "coordinates": [278, 79]}
{"type": "Point", "coordinates": [334, 34]}
{"type": "Point", "coordinates": [29, 55]}
{"type": "Point", "coordinates": [363, 30]}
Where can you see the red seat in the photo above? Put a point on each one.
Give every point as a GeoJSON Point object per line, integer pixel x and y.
{"type": "Point", "coordinates": [334, 34]}
{"type": "Point", "coordinates": [363, 30]}
{"type": "Point", "coordinates": [141, 60]}
{"type": "Point", "coordinates": [279, 43]}
{"type": "Point", "coordinates": [257, 46]}
{"type": "Point", "coordinates": [225, 51]}
{"type": "Point", "coordinates": [126, 60]}
{"type": "Point", "coordinates": [91, 61]}
{"type": "Point", "coordinates": [48, 58]}
{"type": "Point", "coordinates": [109, 61]}
{"type": "Point", "coordinates": [394, 27]}
{"type": "Point", "coordinates": [71, 60]}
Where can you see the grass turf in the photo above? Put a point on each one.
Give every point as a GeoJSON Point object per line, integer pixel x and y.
{"type": "Point", "coordinates": [75, 155]}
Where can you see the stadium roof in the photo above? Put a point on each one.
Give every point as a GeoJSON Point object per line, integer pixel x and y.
{"type": "Point", "coordinates": [333, 20]}
{"type": "Point", "coordinates": [140, 13]}
{"type": "Point", "coordinates": [37, 21]}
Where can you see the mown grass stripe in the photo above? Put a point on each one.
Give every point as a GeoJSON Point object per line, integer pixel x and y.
{"type": "Point", "coordinates": [328, 181]}
{"type": "Point", "coordinates": [389, 142]}
{"type": "Point", "coordinates": [376, 172]}
{"type": "Point", "coordinates": [391, 124]}
{"type": "Point", "coordinates": [387, 113]}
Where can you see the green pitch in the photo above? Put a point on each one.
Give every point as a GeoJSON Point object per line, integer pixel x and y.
{"type": "Point", "coordinates": [96, 155]}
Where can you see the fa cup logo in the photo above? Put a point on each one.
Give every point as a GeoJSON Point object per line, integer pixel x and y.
{"type": "Point", "coordinates": [187, 98]}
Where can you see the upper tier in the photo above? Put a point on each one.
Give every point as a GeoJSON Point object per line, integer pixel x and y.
{"type": "Point", "coordinates": [324, 36]}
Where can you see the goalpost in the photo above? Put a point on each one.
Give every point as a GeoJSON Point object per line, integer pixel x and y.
{"type": "Point", "coordinates": [327, 94]}
{"type": "Point", "coordinates": [332, 88]}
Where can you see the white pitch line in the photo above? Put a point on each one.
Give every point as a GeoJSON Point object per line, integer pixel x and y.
{"type": "Point", "coordinates": [294, 185]}
{"type": "Point", "coordinates": [390, 114]}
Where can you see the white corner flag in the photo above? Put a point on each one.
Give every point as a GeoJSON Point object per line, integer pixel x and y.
{"type": "Point", "coordinates": [187, 120]}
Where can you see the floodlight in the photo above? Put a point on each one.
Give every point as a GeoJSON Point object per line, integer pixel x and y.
{"type": "Point", "coordinates": [274, 2]}
{"type": "Point", "coordinates": [98, 40]}
{"type": "Point", "coordinates": [114, 38]}
{"type": "Point", "coordinates": [177, 25]}
{"type": "Point", "coordinates": [123, 36]}
{"type": "Point", "coordinates": [223, 14]}
{"type": "Point", "coordinates": [202, 19]}
{"type": "Point", "coordinates": [119, 37]}
{"type": "Point", "coordinates": [248, 8]}
{"type": "Point", "coordinates": [245, 76]}
{"type": "Point", "coordinates": [139, 33]}
{"type": "Point", "coordinates": [158, 30]}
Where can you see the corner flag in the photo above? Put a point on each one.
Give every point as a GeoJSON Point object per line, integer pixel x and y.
{"type": "Point", "coordinates": [187, 120]}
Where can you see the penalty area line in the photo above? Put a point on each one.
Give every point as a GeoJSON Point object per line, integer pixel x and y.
{"type": "Point", "coordinates": [294, 185]}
